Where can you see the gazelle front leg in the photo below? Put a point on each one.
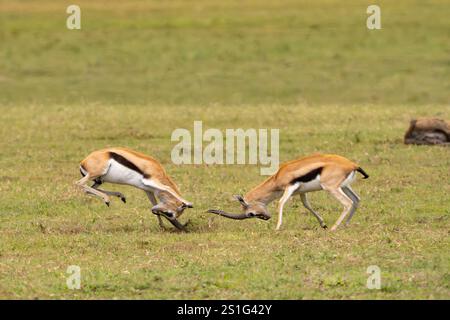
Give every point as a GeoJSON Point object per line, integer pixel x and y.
{"type": "Point", "coordinates": [152, 199]}
{"type": "Point", "coordinates": [286, 195]}
{"type": "Point", "coordinates": [161, 187]}
{"type": "Point", "coordinates": [308, 206]}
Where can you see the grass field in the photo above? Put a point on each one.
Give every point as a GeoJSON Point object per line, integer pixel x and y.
{"type": "Point", "coordinates": [137, 71]}
{"type": "Point", "coordinates": [46, 225]}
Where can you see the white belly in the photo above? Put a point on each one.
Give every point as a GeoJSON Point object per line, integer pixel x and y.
{"type": "Point", "coordinates": [313, 185]}
{"type": "Point", "coordinates": [118, 173]}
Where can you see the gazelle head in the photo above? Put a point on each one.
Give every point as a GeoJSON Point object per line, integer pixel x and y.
{"type": "Point", "coordinates": [171, 209]}
{"type": "Point", "coordinates": [252, 209]}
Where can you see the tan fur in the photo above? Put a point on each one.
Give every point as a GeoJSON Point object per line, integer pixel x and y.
{"type": "Point", "coordinates": [96, 164]}
{"type": "Point", "coordinates": [335, 170]}
{"type": "Point", "coordinates": [171, 203]}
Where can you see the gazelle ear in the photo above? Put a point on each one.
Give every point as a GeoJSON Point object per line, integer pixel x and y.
{"type": "Point", "coordinates": [241, 200]}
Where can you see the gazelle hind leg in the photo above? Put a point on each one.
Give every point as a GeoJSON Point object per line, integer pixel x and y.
{"type": "Point", "coordinates": [110, 193]}
{"type": "Point", "coordinates": [97, 193]}
{"type": "Point", "coordinates": [308, 206]}
{"type": "Point", "coordinates": [339, 194]}
{"type": "Point", "coordinates": [83, 180]}
{"type": "Point", "coordinates": [82, 183]}
{"type": "Point", "coordinates": [355, 198]}
{"type": "Point", "coordinates": [286, 195]}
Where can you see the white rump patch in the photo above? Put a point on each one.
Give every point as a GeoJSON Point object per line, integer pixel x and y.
{"type": "Point", "coordinates": [84, 172]}
{"type": "Point", "coordinates": [349, 180]}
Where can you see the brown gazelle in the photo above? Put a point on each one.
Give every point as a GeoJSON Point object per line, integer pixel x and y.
{"type": "Point", "coordinates": [128, 167]}
{"type": "Point", "coordinates": [332, 173]}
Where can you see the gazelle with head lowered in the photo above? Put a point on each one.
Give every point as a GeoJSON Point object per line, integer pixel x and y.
{"type": "Point", "coordinates": [331, 173]}
{"type": "Point", "coordinates": [128, 167]}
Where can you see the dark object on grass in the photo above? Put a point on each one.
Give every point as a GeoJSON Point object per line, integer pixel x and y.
{"type": "Point", "coordinates": [237, 216]}
{"type": "Point", "coordinates": [428, 131]}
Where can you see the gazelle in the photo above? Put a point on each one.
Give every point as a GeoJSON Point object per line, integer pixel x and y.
{"type": "Point", "coordinates": [128, 167]}
{"type": "Point", "coordinates": [332, 173]}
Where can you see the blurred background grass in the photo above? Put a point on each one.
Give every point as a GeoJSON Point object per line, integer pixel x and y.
{"type": "Point", "coordinates": [226, 52]}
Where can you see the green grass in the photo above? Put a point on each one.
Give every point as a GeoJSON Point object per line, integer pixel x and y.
{"type": "Point", "coordinates": [227, 52]}
{"type": "Point", "coordinates": [46, 224]}
{"type": "Point", "coordinates": [138, 70]}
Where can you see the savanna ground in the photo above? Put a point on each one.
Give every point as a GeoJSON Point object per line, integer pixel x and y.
{"type": "Point", "coordinates": [138, 70]}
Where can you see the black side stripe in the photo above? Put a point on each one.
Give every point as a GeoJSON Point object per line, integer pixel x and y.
{"type": "Point", "coordinates": [309, 176]}
{"type": "Point", "coordinates": [125, 162]}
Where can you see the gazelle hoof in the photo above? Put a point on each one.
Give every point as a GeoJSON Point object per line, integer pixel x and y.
{"type": "Point", "coordinates": [324, 226]}
{"type": "Point", "coordinates": [107, 203]}
{"type": "Point", "coordinates": [124, 200]}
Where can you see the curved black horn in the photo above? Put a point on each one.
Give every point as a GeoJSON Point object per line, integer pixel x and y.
{"type": "Point", "coordinates": [177, 224]}
{"type": "Point", "coordinates": [230, 215]}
